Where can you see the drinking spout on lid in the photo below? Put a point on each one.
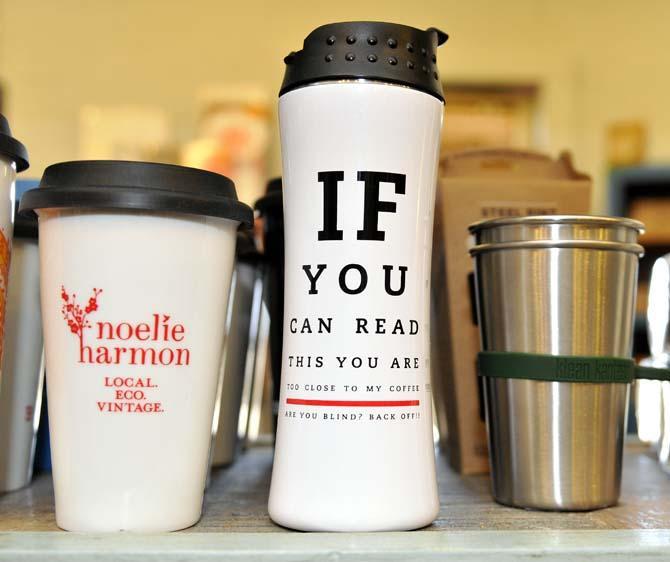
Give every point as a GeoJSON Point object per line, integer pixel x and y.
{"type": "Point", "coordinates": [442, 37]}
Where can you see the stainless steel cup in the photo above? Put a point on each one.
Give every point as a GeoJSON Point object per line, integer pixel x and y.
{"type": "Point", "coordinates": [557, 285]}
{"type": "Point", "coordinates": [236, 351]}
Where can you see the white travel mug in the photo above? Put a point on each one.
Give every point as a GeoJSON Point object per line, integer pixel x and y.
{"type": "Point", "coordinates": [22, 364]}
{"type": "Point", "coordinates": [360, 113]}
{"type": "Point", "coordinates": [13, 159]}
{"type": "Point", "coordinates": [136, 263]}
{"type": "Point", "coordinates": [652, 397]}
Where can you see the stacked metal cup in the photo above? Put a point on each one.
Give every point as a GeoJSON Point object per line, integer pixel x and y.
{"type": "Point", "coordinates": [557, 291]}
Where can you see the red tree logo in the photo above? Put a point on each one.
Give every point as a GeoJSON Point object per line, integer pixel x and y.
{"type": "Point", "coordinates": [76, 316]}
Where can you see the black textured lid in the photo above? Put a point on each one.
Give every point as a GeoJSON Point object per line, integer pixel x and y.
{"type": "Point", "coordinates": [11, 147]}
{"type": "Point", "coordinates": [388, 52]}
{"type": "Point", "coordinates": [273, 197]}
{"type": "Point", "coordinates": [25, 226]}
{"type": "Point", "coordinates": [112, 184]}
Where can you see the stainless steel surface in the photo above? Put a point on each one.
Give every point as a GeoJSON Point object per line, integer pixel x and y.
{"type": "Point", "coordinates": [233, 365]}
{"type": "Point", "coordinates": [556, 445]}
{"type": "Point", "coordinates": [257, 367]}
{"type": "Point", "coordinates": [557, 227]}
{"type": "Point", "coordinates": [543, 244]}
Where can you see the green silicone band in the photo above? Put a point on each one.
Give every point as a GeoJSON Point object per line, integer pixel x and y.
{"type": "Point", "coordinates": [652, 373]}
{"type": "Point", "coordinates": [555, 368]}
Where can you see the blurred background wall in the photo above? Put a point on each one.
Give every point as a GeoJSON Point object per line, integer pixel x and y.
{"type": "Point", "coordinates": [595, 63]}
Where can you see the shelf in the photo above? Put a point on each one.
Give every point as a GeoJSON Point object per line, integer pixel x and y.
{"type": "Point", "coordinates": [235, 525]}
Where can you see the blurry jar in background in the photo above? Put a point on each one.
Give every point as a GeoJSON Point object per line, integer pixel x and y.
{"type": "Point", "coordinates": [233, 136]}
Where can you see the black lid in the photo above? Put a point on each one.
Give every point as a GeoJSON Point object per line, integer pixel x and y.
{"type": "Point", "coordinates": [245, 249]}
{"type": "Point", "coordinates": [370, 50]}
{"type": "Point", "coordinates": [25, 226]}
{"type": "Point", "coordinates": [112, 184]}
{"type": "Point", "coordinates": [273, 196]}
{"type": "Point", "coordinates": [11, 147]}
{"type": "Point", "coordinates": [274, 185]}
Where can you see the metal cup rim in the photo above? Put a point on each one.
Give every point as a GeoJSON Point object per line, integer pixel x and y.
{"type": "Point", "coordinates": [590, 220]}
{"type": "Point", "coordinates": [548, 244]}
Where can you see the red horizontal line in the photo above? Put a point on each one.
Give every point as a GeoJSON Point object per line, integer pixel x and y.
{"type": "Point", "coordinates": [355, 403]}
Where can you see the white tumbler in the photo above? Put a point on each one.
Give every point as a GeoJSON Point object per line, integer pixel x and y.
{"type": "Point", "coordinates": [13, 159]}
{"type": "Point", "coordinates": [22, 363]}
{"type": "Point", "coordinates": [136, 263]}
{"type": "Point", "coordinates": [360, 115]}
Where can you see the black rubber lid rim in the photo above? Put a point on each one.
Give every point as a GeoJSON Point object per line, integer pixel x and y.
{"type": "Point", "coordinates": [270, 202]}
{"type": "Point", "coordinates": [12, 148]}
{"type": "Point", "coordinates": [273, 198]}
{"type": "Point", "coordinates": [25, 226]}
{"type": "Point", "coordinates": [140, 186]}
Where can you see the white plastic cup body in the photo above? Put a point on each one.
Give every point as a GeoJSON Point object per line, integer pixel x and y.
{"type": "Point", "coordinates": [22, 367]}
{"type": "Point", "coordinates": [7, 180]}
{"type": "Point", "coordinates": [354, 449]}
{"type": "Point", "coordinates": [131, 401]}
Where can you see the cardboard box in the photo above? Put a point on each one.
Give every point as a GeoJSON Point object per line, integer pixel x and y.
{"type": "Point", "coordinates": [476, 185]}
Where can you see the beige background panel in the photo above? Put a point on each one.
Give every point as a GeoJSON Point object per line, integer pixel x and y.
{"type": "Point", "coordinates": [595, 62]}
